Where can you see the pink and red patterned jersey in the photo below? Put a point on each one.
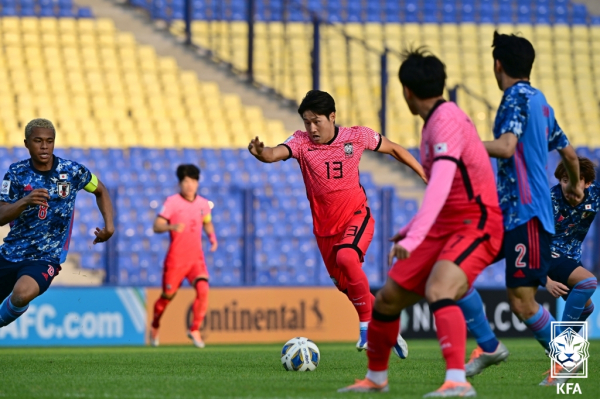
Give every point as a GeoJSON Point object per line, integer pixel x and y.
{"type": "Point", "coordinates": [450, 134]}
{"type": "Point", "coordinates": [331, 176]}
{"type": "Point", "coordinates": [187, 245]}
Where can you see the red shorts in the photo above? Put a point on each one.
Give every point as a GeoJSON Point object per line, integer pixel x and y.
{"type": "Point", "coordinates": [175, 271]}
{"type": "Point", "coordinates": [357, 235]}
{"type": "Point", "coordinates": [470, 248]}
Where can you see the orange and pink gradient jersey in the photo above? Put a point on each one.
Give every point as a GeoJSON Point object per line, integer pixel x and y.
{"type": "Point", "coordinates": [331, 176]}
{"type": "Point", "coordinates": [186, 245]}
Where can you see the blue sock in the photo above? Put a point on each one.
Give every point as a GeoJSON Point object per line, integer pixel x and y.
{"type": "Point", "coordinates": [587, 311]}
{"type": "Point", "coordinates": [477, 324]}
{"type": "Point", "coordinates": [578, 297]}
{"type": "Point", "coordinates": [9, 312]}
{"type": "Point", "coordinates": [540, 325]}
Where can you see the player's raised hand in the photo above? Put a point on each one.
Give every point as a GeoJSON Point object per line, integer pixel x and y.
{"type": "Point", "coordinates": [574, 193]}
{"type": "Point", "coordinates": [256, 147]}
{"type": "Point", "coordinates": [398, 252]}
{"type": "Point", "coordinates": [555, 288]}
{"type": "Point", "coordinates": [213, 246]}
{"type": "Point", "coordinates": [179, 227]}
{"type": "Point", "coordinates": [39, 196]}
{"type": "Point", "coordinates": [102, 235]}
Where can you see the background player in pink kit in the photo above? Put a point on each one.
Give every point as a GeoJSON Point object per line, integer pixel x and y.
{"type": "Point", "coordinates": [454, 236]}
{"type": "Point", "coordinates": [329, 157]}
{"type": "Point", "coordinates": [183, 215]}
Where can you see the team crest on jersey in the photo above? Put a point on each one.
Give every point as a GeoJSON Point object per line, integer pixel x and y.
{"type": "Point", "coordinates": [5, 187]}
{"type": "Point", "coordinates": [585, 214]}
{"type": "Point", "coordinates": [348, 150]}
{"type": "Point", "coordinates": [63, 188]}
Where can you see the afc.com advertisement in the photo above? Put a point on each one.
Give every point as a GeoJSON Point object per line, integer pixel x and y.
{"type": "Point", "coordinates": [121, 316]}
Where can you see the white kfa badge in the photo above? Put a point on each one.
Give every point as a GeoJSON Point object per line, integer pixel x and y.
{"type": "Point", "coordinates": [63, 188]}
{"type": "Point", "coordinates": [63, 176]}
{"type": "Point", "coordinates": [348, 150]}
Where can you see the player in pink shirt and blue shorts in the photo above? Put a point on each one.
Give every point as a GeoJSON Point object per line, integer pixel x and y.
{"type": "Point", "coordinates": [184, 215]}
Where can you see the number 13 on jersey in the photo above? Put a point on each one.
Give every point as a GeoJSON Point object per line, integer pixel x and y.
{"type": "Point", "coordinates": [335, 170]}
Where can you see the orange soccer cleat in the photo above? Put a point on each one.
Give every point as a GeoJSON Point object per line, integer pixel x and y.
{"type": "Point", "coordinates": [366, 385]}
{"type": "Point", "coordinates": [452, 389]}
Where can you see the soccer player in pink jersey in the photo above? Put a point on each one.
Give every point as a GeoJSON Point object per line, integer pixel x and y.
{"type": "Point", "coordinates": [183, 215]}
{"type": "Point", "coordinates": [343, 225]}
{"type": "Point", "coordinates": [454, 236]}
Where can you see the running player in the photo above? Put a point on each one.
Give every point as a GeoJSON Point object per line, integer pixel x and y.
{"type": "Point", "coordinates": [37, 198]}
{"type": "Point", "coordinates": [524, 130]}
{"type": "Point", "coordinates": [343, 225]}
{"type": "Point", "coordinates": [567, 277]}
{"type": "Point", "coordinates": [183, 215]}
{"type": "Point", "coordinates": [454, 236]}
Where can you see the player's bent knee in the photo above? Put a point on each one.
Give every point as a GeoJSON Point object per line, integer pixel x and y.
{"type": "Point", "coordinates": [168, 297]}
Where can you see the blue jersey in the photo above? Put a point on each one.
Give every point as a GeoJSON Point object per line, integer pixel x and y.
{"type": "Point", "coordinates": [522, 182]}
{"type": "Point", "coordinates": [42, 232]}
{"type": "Point", "coordinates": [573, 222]}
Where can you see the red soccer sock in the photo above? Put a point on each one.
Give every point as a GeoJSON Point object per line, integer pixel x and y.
{"type": "Point", "coordinates": [200, 304]}
{"type": "Point", "coordinates": [381, 337]}
{"type": "Point", "coordinates": [358, 284]}
{"type": "Point", "coordinates": [451, 332]}
{"type": "Point", "coordinates": [159, 307]}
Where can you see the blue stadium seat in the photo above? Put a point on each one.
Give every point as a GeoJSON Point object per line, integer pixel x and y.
{"type": "Point", "coordinates": [85, 12]}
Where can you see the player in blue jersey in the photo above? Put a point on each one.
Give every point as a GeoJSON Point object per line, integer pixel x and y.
{"type": "Point", "coordinates": [567, 277]}
{"type": "Point", "coordinates": [37, 198]}
{"type": "Point", "coordinates": [525, 129]}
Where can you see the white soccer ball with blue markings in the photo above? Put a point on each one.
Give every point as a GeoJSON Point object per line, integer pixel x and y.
{"type": "Point", "coordinates": [300, 354]}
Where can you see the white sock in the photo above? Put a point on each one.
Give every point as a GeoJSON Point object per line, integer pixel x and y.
{"type": "Point", "coordinates": [456, 375]}
{"type": "Point", "coordinates": [378, 377]}
{"type": "Point", "coordinates": [364, 325]}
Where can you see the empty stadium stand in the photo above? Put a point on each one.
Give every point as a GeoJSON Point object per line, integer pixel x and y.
{"type": "Point", "coordinates": [354, 33]}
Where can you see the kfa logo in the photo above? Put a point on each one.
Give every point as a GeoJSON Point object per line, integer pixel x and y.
{"type": "Point", "coordinates": [569, 353]}
{"type": "Point", "coordinates": [348, 150]}
{"type": "Point", "coordinates": [63, 188]}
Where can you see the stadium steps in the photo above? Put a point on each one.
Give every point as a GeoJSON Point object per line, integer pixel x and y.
{"type": "Point", "coordinates": [131, 20]}
{"type": "Point", "coordinates": [128, 19]}
{"type": "Point", "coordinates": [593, 5]}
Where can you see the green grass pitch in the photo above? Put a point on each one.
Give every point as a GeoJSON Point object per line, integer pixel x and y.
{"type": "Point", "coordinates": [255, 371]}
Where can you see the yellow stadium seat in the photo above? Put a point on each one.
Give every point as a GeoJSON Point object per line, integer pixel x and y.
{"type": "Point", "coordinates": [125, 40]}
{"type": "Point", "coordinates": [67, 25]}
{"type": "Point", "coordinates": [48, 25]}
{"type": "Point", "coordinates": [10, 24]}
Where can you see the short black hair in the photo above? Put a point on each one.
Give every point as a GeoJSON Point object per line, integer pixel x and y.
{"type": "Point", "coordinates": [188, 170]}
{"type": "Point", "coordinates": [423, 73]}
{"type": "Point", "coordinates": [317, 101]}
{"type": "Point", "coordinates": [515, 53]}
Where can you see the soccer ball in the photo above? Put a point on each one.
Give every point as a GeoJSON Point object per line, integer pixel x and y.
{"type": "Point", "coordinates": [300, 354]}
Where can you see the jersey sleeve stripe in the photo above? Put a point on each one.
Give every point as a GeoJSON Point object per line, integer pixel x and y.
{"type": "Point", "coordinates": [379, 144]}
{"type": "Point", "coordinates": [289, 149]}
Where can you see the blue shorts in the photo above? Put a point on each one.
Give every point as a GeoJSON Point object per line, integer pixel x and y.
{"type": "Point", "coordinates": [41, 271]}
{"type": "Point", "coordinates": [561, 268]}
{"type": "Point", "coordinates": [526, 249]}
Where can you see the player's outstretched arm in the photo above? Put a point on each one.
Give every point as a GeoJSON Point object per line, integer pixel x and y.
{"type": "Point", "coordinates": [267, 154]}
{"type": "Point", "coordinates": [502, 147]}
{"type": "Point", "coordinates": [402, 155]}
{"type": "Point", "coordinates": [574, 194]}
{"type": "Point", "coordinates": [161, 225]}
{"type": "Point", "coordinates": [9, 212]}
{"type": "Point", "coordinates": [209, 229]}
{"type": "Point", "coordinates": [106, 209]}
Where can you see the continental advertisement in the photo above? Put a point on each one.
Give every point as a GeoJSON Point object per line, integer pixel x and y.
{"type": "Point", "coordinates": [260, 315]}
